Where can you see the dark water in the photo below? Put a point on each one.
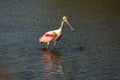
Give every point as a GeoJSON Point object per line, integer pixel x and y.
{"type": "Point", "coordinates": [91, 52]}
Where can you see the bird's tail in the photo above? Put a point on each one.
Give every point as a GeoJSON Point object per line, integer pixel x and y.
{"type": "Point", "coordinates": [40, 40]}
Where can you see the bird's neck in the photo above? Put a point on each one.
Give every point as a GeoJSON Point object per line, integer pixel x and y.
{"type": "Point", "coordinates": [61, 27]}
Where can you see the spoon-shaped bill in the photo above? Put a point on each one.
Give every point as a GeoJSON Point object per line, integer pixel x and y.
{"type": "Point", "coordinates": [70, 26]}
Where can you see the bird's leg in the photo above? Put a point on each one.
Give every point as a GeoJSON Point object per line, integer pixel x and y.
{"type": "Point", "coordinates": [55, 42]}
{"type": "Point", "coordinates": [48, 43]}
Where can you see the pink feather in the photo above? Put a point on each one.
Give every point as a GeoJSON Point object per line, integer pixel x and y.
{"type": "Point", "coordinates": [47, 37]}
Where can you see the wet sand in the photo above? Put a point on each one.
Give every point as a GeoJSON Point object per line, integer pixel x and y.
{"type": "Point", "coordinates": [91, 52]}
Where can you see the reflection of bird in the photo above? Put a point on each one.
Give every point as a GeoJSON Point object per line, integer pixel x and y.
{"type": "Point", "coordinates": [53, 61]}
{"type": "Point", "coordinates": [54, 35]}
{"type": "Point", "coordinates": [51, 55]}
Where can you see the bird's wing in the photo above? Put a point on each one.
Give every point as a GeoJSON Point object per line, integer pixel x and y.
{"type": "Point", "coordinates": [47, 37]}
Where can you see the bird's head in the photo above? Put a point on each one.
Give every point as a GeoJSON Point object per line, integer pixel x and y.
{"type": "Point", "coordinates": [65, 20]}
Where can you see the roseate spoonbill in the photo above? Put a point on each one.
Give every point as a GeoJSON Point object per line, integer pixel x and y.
{"type": "Point", "coordinates": [54, 35]}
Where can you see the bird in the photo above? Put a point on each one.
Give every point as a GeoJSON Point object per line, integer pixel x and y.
{"type": "Point", "coordinates": [54, 35]}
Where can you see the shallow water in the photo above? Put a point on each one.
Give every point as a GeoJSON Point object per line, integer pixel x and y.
{"type": "Point", "coordinates": [91, 52]}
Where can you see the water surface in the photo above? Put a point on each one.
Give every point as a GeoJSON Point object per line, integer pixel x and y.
{"type": "Point", "coordinates": [91, 52]}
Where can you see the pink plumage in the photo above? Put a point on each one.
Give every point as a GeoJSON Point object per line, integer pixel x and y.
{"type": "Point", "coordinates": [54, 35]}
{"type": "Point", "coordinates": [47, 37]}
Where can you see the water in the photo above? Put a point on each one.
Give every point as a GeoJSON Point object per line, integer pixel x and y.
{"type": "Point", "coordinates": [91, 52]}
